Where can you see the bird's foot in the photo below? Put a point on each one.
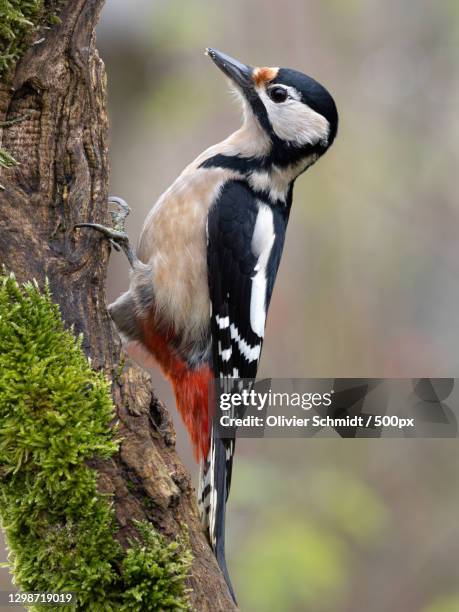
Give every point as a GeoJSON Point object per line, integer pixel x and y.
{"type": "Point", "coordinates": [119, 212]}
{"type": "Point", "coordinates": [116, 235]}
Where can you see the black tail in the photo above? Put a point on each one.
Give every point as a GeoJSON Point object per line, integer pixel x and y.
{"type": "Point", "coordinates": [214, 485]}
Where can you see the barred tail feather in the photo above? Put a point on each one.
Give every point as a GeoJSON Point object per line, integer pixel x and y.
{"type": "Point", "coordinates": [214, 483]}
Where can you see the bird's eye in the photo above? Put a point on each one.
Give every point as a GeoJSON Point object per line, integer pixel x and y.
{"type": "Point", "coordinates": [278, 94]}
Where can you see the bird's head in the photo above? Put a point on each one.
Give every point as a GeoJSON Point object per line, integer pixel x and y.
{"type": "Point", "coordinates": [296, 112]}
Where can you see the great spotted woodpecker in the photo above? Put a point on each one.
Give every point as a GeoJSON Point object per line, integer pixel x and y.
{"type": "Point", "coordinates": [204, 271]}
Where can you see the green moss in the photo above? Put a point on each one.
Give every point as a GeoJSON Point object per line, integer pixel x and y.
{"type": "Point", "coordinates": [19, 20]}
{"type": "Point", "coordinates": [55, 415]}
{"type": "Point", "coordinates": [154, 572]}
{"type": "Point", "coordinates": [6, 160]}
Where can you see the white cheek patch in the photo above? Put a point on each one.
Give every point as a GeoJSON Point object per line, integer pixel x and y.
{"type": "Point", "coordinates": [296, 122]}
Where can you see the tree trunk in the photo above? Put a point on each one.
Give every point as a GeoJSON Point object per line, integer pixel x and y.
{"type": "Point", "coordinates": [59, 91]}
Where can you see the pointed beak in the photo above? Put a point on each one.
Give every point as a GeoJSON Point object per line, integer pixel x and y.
{"type": "Point", "coordinates": [239, 73]}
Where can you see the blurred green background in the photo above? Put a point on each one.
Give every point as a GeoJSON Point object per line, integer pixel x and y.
{"type": "Point", "coordinates": [368, 286]}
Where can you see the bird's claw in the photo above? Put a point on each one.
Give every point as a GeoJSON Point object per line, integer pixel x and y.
{"type": "Point", "coordinates": [117, 235]}
{"type": "Point", "coordinates": [115, 245]}
{"type": "Point", "coordinates": [113, 235]}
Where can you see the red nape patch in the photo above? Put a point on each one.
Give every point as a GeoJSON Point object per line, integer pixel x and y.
{"type": "Point", "coordinates": [191, 387]}
{"type": "Point", "coordinates": [261, 76]}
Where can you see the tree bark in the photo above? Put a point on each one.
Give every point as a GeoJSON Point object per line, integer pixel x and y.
{"type": "Point", "coordinates": [59, 89]}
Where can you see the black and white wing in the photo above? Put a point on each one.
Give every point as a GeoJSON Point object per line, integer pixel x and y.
{"type": "Point", "coordinates": [245, 240]}
{"type": "Point", "coordinates": [244, 243]}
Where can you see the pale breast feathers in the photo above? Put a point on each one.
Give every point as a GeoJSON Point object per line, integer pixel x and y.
{"type": "Point", "coordinates": [176, 254]}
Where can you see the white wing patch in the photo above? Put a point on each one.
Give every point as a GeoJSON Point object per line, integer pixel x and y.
{"type": "Point", "coordinates": [262, 244]}
{"type": "Point", "coordinates": [222, 322]}
{"type": "Point", "coordinates": [225, 354]}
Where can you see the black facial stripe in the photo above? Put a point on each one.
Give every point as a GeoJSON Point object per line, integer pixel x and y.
{"type": "Point", "coordinates": [284, 154]}
{"type": "Point", "coordinates": [281, 155]}
{"type": "Point", "coordinates": [261, 114]}
{"type": "Point", "coordinates": [236, 162]}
